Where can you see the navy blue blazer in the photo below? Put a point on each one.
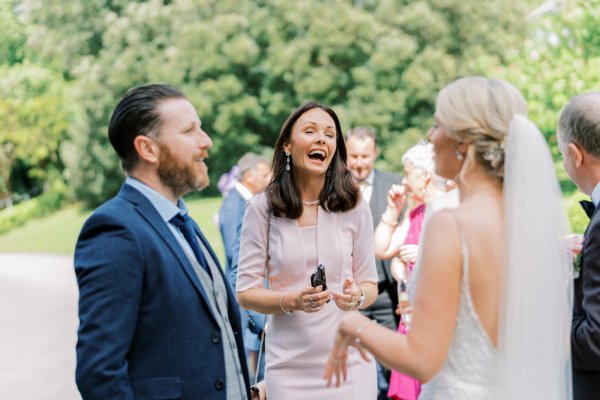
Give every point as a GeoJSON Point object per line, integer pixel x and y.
{"type": "Point", "coordinates": [231, 216]}
{"type": "Point", "coordinates": [146, 328]}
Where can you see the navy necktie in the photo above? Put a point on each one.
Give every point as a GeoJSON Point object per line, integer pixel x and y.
{"type": "Point", "coordinates": [588, 207]}
{"type": "Point", "coordinates": [186, 226]}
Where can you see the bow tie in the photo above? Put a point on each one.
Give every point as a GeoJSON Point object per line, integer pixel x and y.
{"type": "Point", "coordinates": [588, 207]}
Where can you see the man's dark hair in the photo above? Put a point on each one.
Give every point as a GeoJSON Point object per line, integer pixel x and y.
{"type": "Point", "coordinates": [579, 122]}
{"type": "Point", "coordinates": [136, 114]}
{"type": "Point", "coordinates": [339, 193]}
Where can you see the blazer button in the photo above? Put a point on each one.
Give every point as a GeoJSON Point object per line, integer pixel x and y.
{"type": "Point", "coordinates": [219, 384]}
{"type": "Point", "coordinates": [216, 338]}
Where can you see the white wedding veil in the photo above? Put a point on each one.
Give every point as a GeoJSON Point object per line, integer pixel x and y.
{"type": "Point", "coordinates": [535, 316]}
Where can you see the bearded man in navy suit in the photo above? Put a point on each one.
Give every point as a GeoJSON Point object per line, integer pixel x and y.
{"type": "Point", "coordinates": [578, 137]}
{"type": "Point", "coordinates": [158, 319]}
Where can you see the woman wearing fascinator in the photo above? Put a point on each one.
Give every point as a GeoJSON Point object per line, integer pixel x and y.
{"type": "Point", "coordinates": [491, 303]}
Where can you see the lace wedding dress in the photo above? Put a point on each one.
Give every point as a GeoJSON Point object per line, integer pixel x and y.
{"type": "Point", "coordinates": [469, 370]}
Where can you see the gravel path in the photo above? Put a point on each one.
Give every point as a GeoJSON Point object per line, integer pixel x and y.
{"type": "Point", "coordinates": [38, 327]}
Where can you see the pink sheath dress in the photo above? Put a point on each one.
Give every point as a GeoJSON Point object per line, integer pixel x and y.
{"type": "Point", "coordinates": [297, 345]}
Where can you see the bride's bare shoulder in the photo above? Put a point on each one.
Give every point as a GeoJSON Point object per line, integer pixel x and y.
{"type": "Point", "coordinates": [442, 223]}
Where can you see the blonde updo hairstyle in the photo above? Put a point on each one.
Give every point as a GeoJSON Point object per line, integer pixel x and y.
{"type": "Point", "coordinates": [478, 111]}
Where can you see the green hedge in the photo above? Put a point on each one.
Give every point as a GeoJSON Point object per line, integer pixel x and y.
{"type": "Point", "coordinates": [37, 207]}
{"type": "Point", "coordinates": [577, 218]}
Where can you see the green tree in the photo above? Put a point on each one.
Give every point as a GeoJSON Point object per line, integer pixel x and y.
{"type": "Point", "coordinates": [12, 34]}
{"type": "Point", "coordinates": [36, 112]}
{"type": "Point", "coordinates": [246, 64]}
{"type": "Point", "coordinates": [560, 59]}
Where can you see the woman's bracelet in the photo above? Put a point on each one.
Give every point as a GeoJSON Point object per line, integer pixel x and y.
{"type": "Point", "coordinates": [388, 222]}
{"type": "Point", "coordinates": [361, 328]}
{"type": "Point", "coordinates": [281, 304]}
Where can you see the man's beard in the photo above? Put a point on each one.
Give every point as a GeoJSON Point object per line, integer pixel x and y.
{"type": "Point", "coordinates": [178, 175]}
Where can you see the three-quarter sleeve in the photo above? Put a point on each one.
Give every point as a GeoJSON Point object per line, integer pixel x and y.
{"type": "Point", "coordinates": [364, 269]}
{"type": "Point", "coordinates": [252, 256]}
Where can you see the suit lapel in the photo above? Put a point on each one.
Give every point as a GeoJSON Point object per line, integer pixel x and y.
{"type": "Point", "coordinates": [149, 213]}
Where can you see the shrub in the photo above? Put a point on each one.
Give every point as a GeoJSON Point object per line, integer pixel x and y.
{"type": "Point", "coordinates": [37, 207]}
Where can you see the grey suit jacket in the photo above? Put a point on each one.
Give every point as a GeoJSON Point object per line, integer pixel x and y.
{"type": "Point", "coordinates": [385, 304]}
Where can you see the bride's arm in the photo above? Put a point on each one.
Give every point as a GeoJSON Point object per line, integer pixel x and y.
{"type": "Point", "coordinates": [423, 351]}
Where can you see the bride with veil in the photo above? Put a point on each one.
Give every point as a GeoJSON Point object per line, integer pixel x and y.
{"type": "Point", "coordinates": [491, 301]}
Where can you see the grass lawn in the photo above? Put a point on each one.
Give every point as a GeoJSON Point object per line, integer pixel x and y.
{"type": "Point", "coordinates": [58, 232]}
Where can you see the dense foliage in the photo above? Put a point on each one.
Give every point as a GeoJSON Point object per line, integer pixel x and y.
{"type": "Point", "coordinates": [245, 64]}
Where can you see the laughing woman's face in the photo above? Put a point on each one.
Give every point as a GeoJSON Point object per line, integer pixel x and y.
{"type": "Point", "coordinates": [312, 142]}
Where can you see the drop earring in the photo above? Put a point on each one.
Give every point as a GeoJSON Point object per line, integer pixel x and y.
{"type": "Point", "coordinates": [459, 155]}
{"type": "Point", "coordinates": [287, 161]}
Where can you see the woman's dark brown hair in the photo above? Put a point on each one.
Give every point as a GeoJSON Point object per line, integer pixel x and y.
{"type": "Point", "coordinates": [339, 193]}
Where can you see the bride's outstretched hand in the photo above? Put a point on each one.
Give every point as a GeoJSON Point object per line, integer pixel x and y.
{"type": "Point", "coordinates": [337, 361]}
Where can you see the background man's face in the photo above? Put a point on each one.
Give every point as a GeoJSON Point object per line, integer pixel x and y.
{"type": "Point", "coordinates": [257, 178]}
{"type": "Point", "coordinates": [362, 154]}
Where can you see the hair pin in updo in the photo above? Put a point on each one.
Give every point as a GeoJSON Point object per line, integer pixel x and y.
{"type": "Point", "coordinates": [495, 154]}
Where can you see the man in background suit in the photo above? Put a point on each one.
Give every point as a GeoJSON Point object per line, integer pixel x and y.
{"type": "Point", "coordinates": [361, 145]}
{"type": "Point", "coordinates": [255, 173]}
{"type": "Point", "coordinates": [157, 317]}
{"type": "Point", "coordinates": [578, 137]}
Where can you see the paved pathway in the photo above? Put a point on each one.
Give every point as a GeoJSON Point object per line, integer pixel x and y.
{"type": "Point", "coordinates": [38, 327]}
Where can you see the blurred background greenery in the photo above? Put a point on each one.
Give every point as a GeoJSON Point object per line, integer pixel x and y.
{"type": "Point", "coordinates": [245, 64]}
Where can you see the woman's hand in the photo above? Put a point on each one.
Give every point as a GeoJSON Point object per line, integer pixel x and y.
{"type": "Point", "coordinates": [403, 310]}
{"type": "Point", "coordinates": [312, 299]}
{"type": "Point", "coordinates": [398, 269]}
{"type": "Point", "coordinates": [337, 361]}
{"type": "Point", "coordinates": [259, 391]}
{"type": "Point", "coordinates": [575, 244]}
{"type": "Point", "coordinates": [396, 197]}
{"type": "Point", "coordinates": [408, 253]}
{"type": "Point", "coordinates": [347, 300]}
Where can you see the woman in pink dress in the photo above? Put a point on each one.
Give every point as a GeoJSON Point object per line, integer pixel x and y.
{"type": "Point", "coordinates": [400, 241]}
{"type": "Point", "coordinates": [316, 216]}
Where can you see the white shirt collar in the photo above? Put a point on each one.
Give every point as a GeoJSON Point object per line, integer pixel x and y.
{"type": "Point", "coordinates": [243, 191]}
{"type": "Point", "coordinates": [596, 195]}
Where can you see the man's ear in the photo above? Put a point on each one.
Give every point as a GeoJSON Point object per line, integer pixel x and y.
{"type": "Point", "coordinates": [577, 154]}
{"type": "Point", "coordinates": [146, 148]}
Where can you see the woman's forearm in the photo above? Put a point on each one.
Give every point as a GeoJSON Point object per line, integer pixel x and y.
{"type": "Point", "coordinates": [267, 301]}
{"type": "Point", "coordinates": [388, 239]}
